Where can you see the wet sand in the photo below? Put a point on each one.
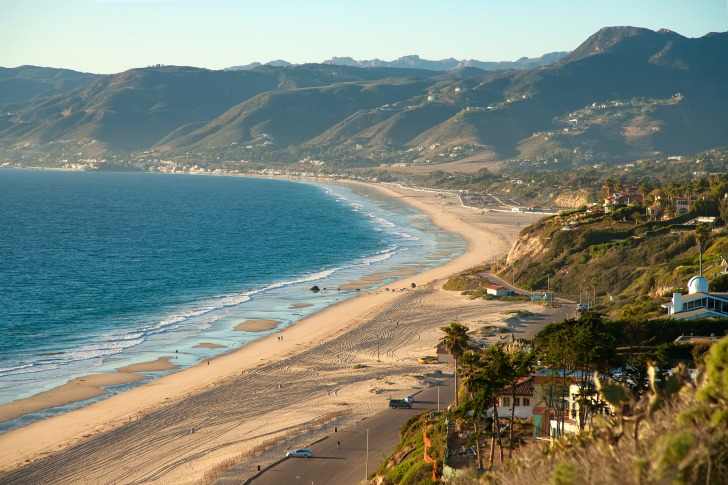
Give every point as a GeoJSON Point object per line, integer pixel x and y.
{"type": "Point", "coordinates": [82, 388]}
{"type": "Point", "coordinates": [257, 325]}
{"type": "Point", "coordinates": [207, 345]}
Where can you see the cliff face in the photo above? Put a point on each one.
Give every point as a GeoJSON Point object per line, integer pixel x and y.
{"type": "Point", "coordinates": [571, 201]}
{"type": "Point", "coordinates": [528, 245]}
{"type": "Point", "coordinates": [630, 268]}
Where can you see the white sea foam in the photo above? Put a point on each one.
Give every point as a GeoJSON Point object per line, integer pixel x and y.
{"type": "Point", "coordinates": [192, 319]}
{"type": "Point", "coordinates": [199, 316]}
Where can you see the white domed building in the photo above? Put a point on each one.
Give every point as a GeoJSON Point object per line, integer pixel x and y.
{"type": "Point", "coordinates": [698, 303]}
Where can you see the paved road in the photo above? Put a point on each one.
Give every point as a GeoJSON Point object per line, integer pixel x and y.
{"type": "Point", "coordinates": [348, 465]}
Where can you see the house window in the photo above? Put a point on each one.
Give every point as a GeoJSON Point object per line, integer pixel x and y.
{"type": "Point", "coordinates": [526, 401]}
{"type": "Point", "coordinates": [516, 401]}
{"type": "Point", "coordinates": [505, 401]}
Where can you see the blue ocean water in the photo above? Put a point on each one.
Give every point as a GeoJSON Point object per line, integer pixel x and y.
{"type": "Point", "coordinates": [102, 270]}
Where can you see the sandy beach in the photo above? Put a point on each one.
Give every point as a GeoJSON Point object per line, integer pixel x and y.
{"type": "Point", "coordinates": [335, 367]}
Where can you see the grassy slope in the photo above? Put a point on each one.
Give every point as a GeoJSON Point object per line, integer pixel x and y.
{"type": "Point", "coordinates": [638, 265]}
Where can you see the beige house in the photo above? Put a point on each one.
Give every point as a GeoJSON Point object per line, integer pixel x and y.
{"type": "Point", "coordinates": [683, 205]}
{"type": "Point", "coordinates": [654, 212]}
{"type": "Point", "coordinates": [443, 356]}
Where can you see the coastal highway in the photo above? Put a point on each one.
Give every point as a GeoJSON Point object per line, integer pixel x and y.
{"type": "Point", "coordinates": [348, 464]}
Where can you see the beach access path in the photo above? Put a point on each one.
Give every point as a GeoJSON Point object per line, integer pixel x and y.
{"type": "Point", "coordinates": [331, 369]}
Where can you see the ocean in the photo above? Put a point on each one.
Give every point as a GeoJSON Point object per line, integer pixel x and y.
{"type": "Point", "coordinates": [102, 270]}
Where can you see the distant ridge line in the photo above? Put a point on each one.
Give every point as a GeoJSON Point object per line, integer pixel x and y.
{"type": "Point", "coordinates": [415, 61]}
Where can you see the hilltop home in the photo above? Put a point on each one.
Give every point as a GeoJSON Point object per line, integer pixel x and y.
{"type": "Point", "coordinates": [624, 197]}
{"type": "Point", "coordinates": [698, 303]}
{"type": "Point", "coordinates": [572, 423]}
{"type": "Point", "coordinates": [654, 212]}
{"type": "Point", "coordinates": [520, 396]}
{"type": "Point", "coordinates": [682, 205]}
{"type": "Point", "coordinates": [541, 397]}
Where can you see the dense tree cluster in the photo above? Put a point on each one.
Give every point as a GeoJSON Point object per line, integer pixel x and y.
{"type": "Point", "coordinates": [583, 351]}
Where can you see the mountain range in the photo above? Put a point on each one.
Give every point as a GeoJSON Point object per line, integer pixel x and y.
{"type": "Point", "coordinates": [624, 93]}
{"type": "Point", "coordinates": [416, 62]}
{"type": "Point", "coordinates": [28, 83]}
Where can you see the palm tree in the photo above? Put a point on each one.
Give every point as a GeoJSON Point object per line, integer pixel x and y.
{"type": "Point", "coordinates": [608, 188]}
{"type": "Point", "coordinates": [672, 191]}
{"type": "Point", "coordinates": [470, 365]}
{"type": "Point", "coordinates": [496, 369]}
{"type": "Point", "coordinates": [479, 395]}
{"type": "Point", "coordinates": [521, 362]}
{"type": "Point", "coordinates": [645, 189]}
{"type": "Point", "coordinates": [702, 233]}
{"type": "Point", "coordinates": [456, 342]}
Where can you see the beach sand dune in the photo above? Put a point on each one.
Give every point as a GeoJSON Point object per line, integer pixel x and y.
{"type": "Point", "coordinates": [339, 365]}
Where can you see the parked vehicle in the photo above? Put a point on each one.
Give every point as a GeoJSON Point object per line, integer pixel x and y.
{"type": "Point", "coordinates": [410, 399]}
{"type": "Point", "coordinates": [466, 451]}
{"type": "Point", "coordinates": [399, 403]}
{"type": "Point", "coordinates": [303, 453]}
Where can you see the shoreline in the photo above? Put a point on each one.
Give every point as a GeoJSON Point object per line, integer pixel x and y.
{"type": "Point", "coordinates": [60, 432]}
{"type": "Point", "coordinates": [82, 388]}
{"type": "Point", "coordinates": [223, 336]}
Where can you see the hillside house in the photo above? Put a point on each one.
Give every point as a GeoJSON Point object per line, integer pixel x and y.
{"type": "Point", "coordinates": [682, 205]}
{"type": "Point", "coordinates": [553, 402]}
{"type": "Point", "coordinates": [573, 419]}
{"type": "Point", "coordinates": [654, 212]}
{"type": "Point", "coordinates": [624, 197]}
{"type": "Point", "coordinates": [698, 303]}
{"type": "Point", "coordinates": [519, 397]}
{"type": "Point", "coordinates": [540, 397]}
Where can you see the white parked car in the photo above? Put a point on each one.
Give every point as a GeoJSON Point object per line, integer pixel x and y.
{"type": "Point", "coordinates": [409, 399]}
{"type": "Point", "coordinates": [304, 453]}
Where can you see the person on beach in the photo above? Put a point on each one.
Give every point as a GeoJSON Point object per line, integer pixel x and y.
{"type": "Point", "coordinates": [338, 444]}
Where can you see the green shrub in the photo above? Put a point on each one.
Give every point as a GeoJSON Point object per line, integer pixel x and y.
{"type": "Point", "coordinates": [564, 474]}
{"type": "Point", "coordinates": [463, 283]}
{"type": "Point", "coordinates": [418, 474]}
{"type": "Point", "coordinates": [719, 284]}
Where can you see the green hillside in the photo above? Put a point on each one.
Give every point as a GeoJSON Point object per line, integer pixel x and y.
{"type": "Point", "coordinates": [32, 83]}
{"type": "Point", "coordinates": [629, 266]}
{"type": "Point", "coordinates": [309, 109]}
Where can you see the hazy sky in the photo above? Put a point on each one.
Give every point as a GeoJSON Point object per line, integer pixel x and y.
{"type": "Point", "coordinates": [106, 36]}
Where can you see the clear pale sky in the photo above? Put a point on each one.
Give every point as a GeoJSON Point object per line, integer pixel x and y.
{"type": "Point", "coordinates": [107, 36]}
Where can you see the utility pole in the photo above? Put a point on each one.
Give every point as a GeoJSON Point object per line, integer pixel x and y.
{"type": "Point", "coordinates": [366, 465]}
